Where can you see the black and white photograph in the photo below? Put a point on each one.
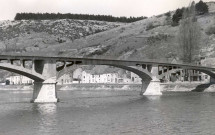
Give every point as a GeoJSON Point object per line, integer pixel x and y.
{"type": "Point", "coordinates": [107, 67]}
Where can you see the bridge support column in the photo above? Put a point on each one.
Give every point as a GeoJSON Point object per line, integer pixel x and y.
{"type": "Point", "coordinates": [45, 91]}
{"type": "Point", "coordinates": [152, 87]}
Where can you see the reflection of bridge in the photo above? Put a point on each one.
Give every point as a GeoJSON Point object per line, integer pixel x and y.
{"type": "Point", "coordinates": [44, 71]}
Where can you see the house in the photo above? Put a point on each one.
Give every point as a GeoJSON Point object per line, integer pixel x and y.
{"type": "Point", "coordinates": [65, 79]}
{"type": "Point", "coordinates": [19, 79]}
{"type": "Point", "coordinates": [89, 76]}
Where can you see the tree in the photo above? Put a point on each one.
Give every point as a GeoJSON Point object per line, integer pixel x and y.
{"type": "Point", "coordinates": [168, 18]}
{"type": "Point", "coordinates": [189, 35]}
{"type": "Point", "coordinates": [177, 16]}
{"type": "Point", "coordinates": [201, 7]}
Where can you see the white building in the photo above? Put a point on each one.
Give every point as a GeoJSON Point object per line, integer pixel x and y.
{"type": "Point", "coordinates": [19, 79]}
{"type": "Point", "coordinates": [65, 79]}
{"type": "Point", "coordinates": [89, 77]}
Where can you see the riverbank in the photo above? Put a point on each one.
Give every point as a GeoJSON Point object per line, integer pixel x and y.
{"type": "Point", "coordinates": [176, 86]}
{"type": "Point", "coordinates": [188, 86]}
{"type": "Point", "coordinates": [91, 86]}
{"type": "Point", "coordinates": [16, 87]}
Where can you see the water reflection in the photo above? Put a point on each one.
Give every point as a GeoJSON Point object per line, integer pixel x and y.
{"type": "Point", "coordinates": [47, 121]}
{"type": "Point", "coordinates": [152, 98]}
{"type": "Point", "coordinates": [46, 109]}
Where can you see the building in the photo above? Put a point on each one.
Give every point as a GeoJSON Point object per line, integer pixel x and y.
{"type": "Point", "coordinates": [65, 79]}
{"type": "Point", "coordinates": [89, 77]}
{"type": "Point", "coordinates": [19, 79]}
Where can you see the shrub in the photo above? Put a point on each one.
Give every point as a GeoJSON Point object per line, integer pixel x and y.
{"type": "Point", "coordinates": [168, 14]}
{"type": "Point", "coordinates": [168, 18]}
{"type": "Point", "coordinates": [177, 16]}
{"type": "Point", "coordinates": [210, 30]}
{"type": "Point", "coordinates": [201, 8]}
{"type": "Point", "coordinates": [149, 26]}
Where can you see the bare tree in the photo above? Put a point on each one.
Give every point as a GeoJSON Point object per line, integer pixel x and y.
{"type": "Point", "coordinates": [189, 34]}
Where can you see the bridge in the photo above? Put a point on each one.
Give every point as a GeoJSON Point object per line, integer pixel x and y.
{"type": "Point", "coordinates": [45, 70]}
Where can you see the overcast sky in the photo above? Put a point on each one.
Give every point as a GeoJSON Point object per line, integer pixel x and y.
{"type": "Point", "coordinates": [9, 8]}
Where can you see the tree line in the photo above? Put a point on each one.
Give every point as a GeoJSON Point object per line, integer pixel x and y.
{"type": "Point", "coordinates": [50, 16]}
{"type": "Point", "coordinates": [200, 9]}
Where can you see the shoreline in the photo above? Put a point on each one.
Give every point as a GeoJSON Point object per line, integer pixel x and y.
{"type": "Point", "coordinates": [173, 87]}
{"type": "Point", "coordinates": [188, 86]}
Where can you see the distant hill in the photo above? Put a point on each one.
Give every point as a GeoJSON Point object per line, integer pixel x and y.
{"type": "Point", "coordinates": [151, 38]}
{"type": "Point", "coordinates": [34, 35]}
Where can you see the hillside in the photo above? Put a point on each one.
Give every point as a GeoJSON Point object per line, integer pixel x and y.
{"type": "Point", "coordinates": [34, 35]}
{"type": "Point", "coordinates": [152, 38]}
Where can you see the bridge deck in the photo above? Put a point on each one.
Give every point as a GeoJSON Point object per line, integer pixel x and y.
{"type": "Point", "coordinates": [96, 61]}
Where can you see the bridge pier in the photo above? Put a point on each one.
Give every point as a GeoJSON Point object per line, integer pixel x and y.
{"type": "Point", "coordinates": [45, 91]}
{"type": "Point", "coordinates": [152, 87]}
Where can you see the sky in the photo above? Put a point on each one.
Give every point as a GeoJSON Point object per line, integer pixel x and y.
{"type": "Point", "coordinates": [9, 8]}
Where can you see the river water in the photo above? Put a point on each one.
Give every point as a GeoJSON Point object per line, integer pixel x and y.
{"type": "Point", "coordinates": [108, 113]}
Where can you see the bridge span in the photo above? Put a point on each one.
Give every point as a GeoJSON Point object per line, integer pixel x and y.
{"type": "Point", "coordinates": [45, 70]}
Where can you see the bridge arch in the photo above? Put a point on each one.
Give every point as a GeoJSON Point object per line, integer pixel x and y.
{"type": "Point", "coordinates": [208, 72]}
{"type": "Point", "coordinates": [144, 74]}
{"type": "Point", "coordinates": [22, 71]}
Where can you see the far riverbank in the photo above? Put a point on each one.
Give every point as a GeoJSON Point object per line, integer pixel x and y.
{"type": "Point", "coordinates": [176, 86]}
{"type": "Point", "coordinates": [188, 86]}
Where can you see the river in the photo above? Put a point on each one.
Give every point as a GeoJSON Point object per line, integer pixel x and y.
{"type": "Point", "coordinates": [108, 113]}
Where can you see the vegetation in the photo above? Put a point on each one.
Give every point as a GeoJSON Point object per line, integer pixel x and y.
{"type": "Point", "coordinates": [200, 8]}
{"type": "Point", "coordinates": [168, 14]}
{"type": "Point", "coordinates": [168, 18]}
{"type": "Point", "coordinates": [210, 30]}
{"type": "Point", "coordinates": [177, 16]}
{"type": "Point", "coordinates": [50, 16]}
{"type": "Point", "coordinates": [150, 26]}
{"type": "Point", "coordinates": [189, 34]}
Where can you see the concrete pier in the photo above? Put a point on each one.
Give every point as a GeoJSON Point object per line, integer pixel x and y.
{"type": "Point", "coordinates": [153, 88]}
{"type": "Point", "coordinates": [45, 91]}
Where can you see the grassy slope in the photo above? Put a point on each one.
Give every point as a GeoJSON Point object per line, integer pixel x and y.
{"type": "Point", "coordinates": [35, 35]}
{"type": "Point", "coordinates": [133, 41]}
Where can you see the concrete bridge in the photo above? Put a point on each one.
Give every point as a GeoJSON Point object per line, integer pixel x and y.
{"type": "Point", "coordinates": [44, 71]}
